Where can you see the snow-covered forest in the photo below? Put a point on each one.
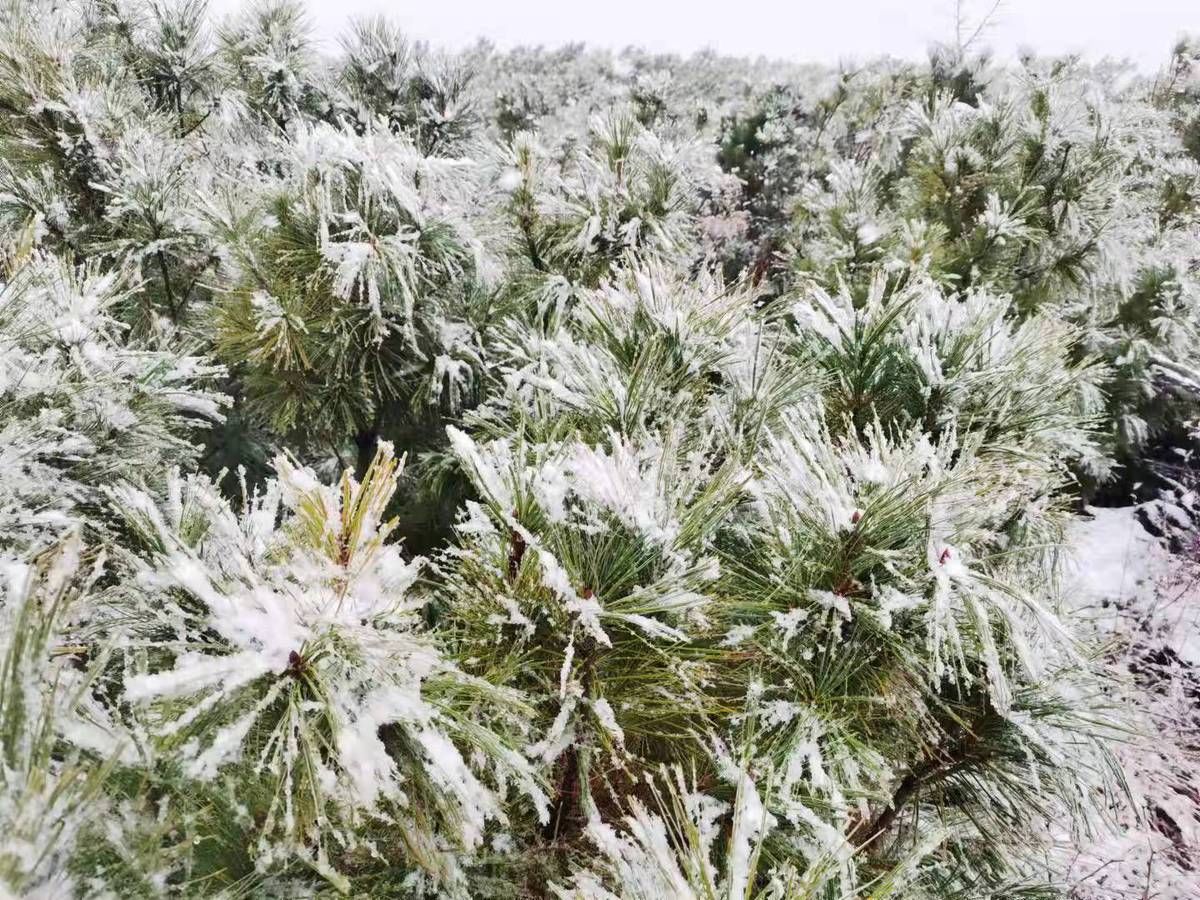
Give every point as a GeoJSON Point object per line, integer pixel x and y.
{"type": "Point", "coordinates": [567, 474]}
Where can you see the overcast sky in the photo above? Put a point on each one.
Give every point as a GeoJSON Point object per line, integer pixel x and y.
{"type": "Point", "coordinates": [804, 30]}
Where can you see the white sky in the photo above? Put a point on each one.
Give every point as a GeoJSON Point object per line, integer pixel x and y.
{"type": "Point", "coordinates": [801, 30]}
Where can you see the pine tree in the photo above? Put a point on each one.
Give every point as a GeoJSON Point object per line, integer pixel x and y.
{"type": "Point", "coordinates": [745, 406]}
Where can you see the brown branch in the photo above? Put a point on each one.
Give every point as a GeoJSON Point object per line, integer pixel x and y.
{"type": "Point", "coordinates": [924, 774]}
{"type": "Point", "coordinates": [166, 278]}
{"type": "Point", "coordinates": [516, 553]}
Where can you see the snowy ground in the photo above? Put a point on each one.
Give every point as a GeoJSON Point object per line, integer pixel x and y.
{"type": "Point", "coordinates": [1145, 599]}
